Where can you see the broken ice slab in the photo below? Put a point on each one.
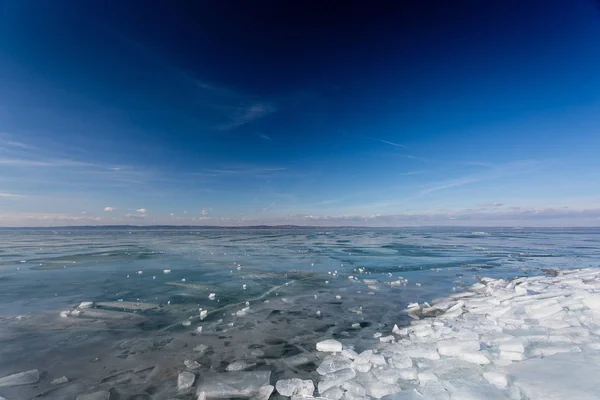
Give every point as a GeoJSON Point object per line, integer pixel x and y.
{"type": "Point", "coordinates": [404, 395]}
{"type": "Point", "coordinates": [263, 393]}
{"type": "Point", "coordinates": [190, 364]}
{"type": "Point", "coordinates": [453, 348]}
{"type": "Point", "coordinates": [295, 386]}
{"type": "Point", "coordinates": [242, 384]}
{"type": "Point", "coordinates": [329, 346]}
{"type": "Point", "coordinates": [335, 379]}
{"type": "Point", "coordinates": [59, 381]}
{"type": "Point", "coordinates": [333, 363]}
{"type": "Point", "coordinates": [185, 380]}
{"type": "Point", "coordinates": [102, 395]}
{"type": "Point", "coordinates": [239, 366]}
{"type": "Point", "coordinates": [22, 378]}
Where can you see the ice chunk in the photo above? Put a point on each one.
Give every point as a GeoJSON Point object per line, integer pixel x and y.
{"type": "Point", "coordinates": [474, 357]}
{"type": "Point", "coordinates": [333, 363]}
{"type": "Point", "coordinates": [333, 394]}
{"type": "Point", "coordinates": [85, 304]}
{"type": "Point", "coordinates": [185, 380]}
{"type": "Point", "coordinates": [454, 347]}
{"type": "Point", "coordinates": [387, 339]}
{"type": "Point", "coordinates": [263, 393]}
{"type": "Point", "coordinates": [390, 376]}
{"type": "Point", "coordinates": [329, 346]}
{"type": "Point", "coordinates": [242, 384]}
{"type": "Point", "coordinates": [401, 361]}
{"type": "Point", "coordinates": [404, 395]}
{"type": "Point", "coordinates": [592, 302]}
{"type": "Point", "coordinates": [22, 378]}
{"type": "Point", "coordinates": [512, 355]}
{"type": "Point", "coordinates": [60, 381]}
{"type": "Point", "coordinates": [562, 376]}
{"type": "Point", "coordinates": [349, 353]}
{"type": "Point", "coordinates": [409, 374]}
{"type": "Point", "coordinates": [203, 314]}
{"type": "Point", "coordinates": [191, 364]}
{"type": "Point", "coordinates": [517, 345]}
{"type": "Point", "coordinates": [379, 390]}
{"type": "Point", "coordinates": [377, 359]}
{"type": "Point", "coordinates": [239, 366]}
{"type": "Point", "coordinates": [167, 271]}
{"type": "Point", "coordinates": [212, 296]}
{"type": "Point", "coordinates": [201, 348]}
{"type": "Point", "coordinates": [377, 335]}
{"type": "Point", "coordinates": [544, 312]}
{"type": "Point", "coordinates": [102, 395]}
{"type": "Point", "coordinates": [496, 378]}
{"type": "Point", "coordinates": [425, 377]}
{"type": "Point", "coordinates": [354, 388]}
{"type": "Point", "coordinates": [398, 331]}
{"type": "Point", "coordinates": [295, 386]}
{"type": "Point", "coordinates": [335, 379]}
{"type": "Point", "coordinates": [422, 352]}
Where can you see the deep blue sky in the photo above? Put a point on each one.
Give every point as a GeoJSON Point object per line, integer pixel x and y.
{"type": "Point", "coordinates": [308, 112]}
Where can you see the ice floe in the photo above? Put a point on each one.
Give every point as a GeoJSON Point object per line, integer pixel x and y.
{"type": "Point", "coordinates": [528, 338]}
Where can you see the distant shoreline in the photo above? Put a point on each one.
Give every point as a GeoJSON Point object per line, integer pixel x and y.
{"type": "Point", "coordinates": [476, 229]}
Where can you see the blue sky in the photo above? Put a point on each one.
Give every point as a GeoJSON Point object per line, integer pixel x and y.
{"type": "Point", "coordinates": [242, 113]}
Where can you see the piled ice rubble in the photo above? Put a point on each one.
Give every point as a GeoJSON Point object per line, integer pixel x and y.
{"type": "Point", "coordinates": [494, 342]}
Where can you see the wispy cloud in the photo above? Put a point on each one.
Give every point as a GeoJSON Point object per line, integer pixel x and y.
{"type": "Point", "coordinates": [135, 216]}
{"type": "Point", "coordinates": [23, 162]}
{"type": "Point", "coordinates": [141, 210]}
{"type": "Point", "coordinates": [265, 137]}
{"type": "Point", "coordinates": [246, 114]}
{"type": "Point", "coordinates": [10, 195]}
{"type": "Point", "coordinates": [452, 183]}
{"type": "Point", "coordinates": [6, 140]}
{"type": "Point", "coordinates": [494, 172]}
{"type": "Point", "coordinates": [109, 209]}
{"type": "Point", "coordinates": [392, 143]}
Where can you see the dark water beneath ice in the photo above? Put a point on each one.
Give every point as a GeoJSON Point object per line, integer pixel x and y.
{"type": "Point", "coordinates": [137, 354]}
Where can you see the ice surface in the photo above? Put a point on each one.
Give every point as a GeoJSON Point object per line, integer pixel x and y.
{"type": "Point", "coordinates": [242, 384]}
{"type": "Point", "coordinates": [102, 395]}
{"type": "Point", "coordinates": [21, 378]}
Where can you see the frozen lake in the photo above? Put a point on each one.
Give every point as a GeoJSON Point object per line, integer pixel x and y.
{"type": "Point", "coordinates": [276, 293]}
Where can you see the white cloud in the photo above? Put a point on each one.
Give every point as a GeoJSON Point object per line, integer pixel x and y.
{"type": "Point", "coordinates": [141, 210]}
{"type": "Point", "coordinates": [204, 212]}
{"type": "Point", "coordinates": [172, 214]}
{"type": "Point", "coordinates": [84, 212]}
{"type": "Point", "coordinates": [109, 209]}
